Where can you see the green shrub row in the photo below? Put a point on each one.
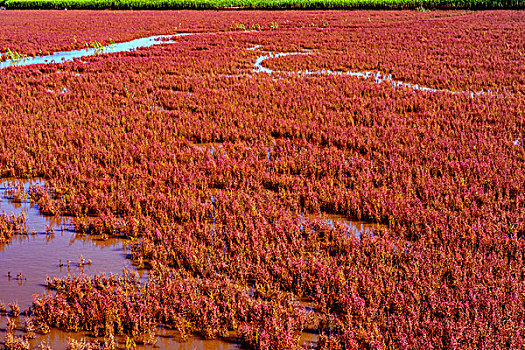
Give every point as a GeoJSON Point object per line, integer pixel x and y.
{"type": "Point", "coordinates": [262, 4]}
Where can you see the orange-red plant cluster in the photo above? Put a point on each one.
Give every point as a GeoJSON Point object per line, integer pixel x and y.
{"type": "Point", "coordinates": [212, 170]}
{"type": "Point", "coordinates": [10, 225]}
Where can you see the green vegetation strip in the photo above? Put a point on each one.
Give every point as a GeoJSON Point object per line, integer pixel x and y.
{"type": "Point", "coordinates": [262, 4]}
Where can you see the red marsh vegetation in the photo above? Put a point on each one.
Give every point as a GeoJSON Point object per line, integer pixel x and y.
{"type": "Point", "coordinates": [217, 173]}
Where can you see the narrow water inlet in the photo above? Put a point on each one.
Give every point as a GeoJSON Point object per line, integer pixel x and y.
{"type": "Point", "coordinates": [67, 56]}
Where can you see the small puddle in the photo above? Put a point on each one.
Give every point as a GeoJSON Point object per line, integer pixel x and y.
{"type": "Point", "coordinates": [65, 56]}
{"type": "Point", "coordinates": [309, 337]}
{"type": "Point", "coordinates": [357, 228]}
{"type": "Point", "coordinates": [27, 260]}
{"type": "Point", "coordinates": [208, 146]}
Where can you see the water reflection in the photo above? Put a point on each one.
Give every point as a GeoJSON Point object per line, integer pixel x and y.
{"type": "Point", "coordinates": [27, 260]}
{"type": "Point", "coordinates": [355, 227]}
{"type": "Point", "coordinates": [51, 249]}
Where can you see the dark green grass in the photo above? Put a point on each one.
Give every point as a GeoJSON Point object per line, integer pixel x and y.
{"type": "Point", "coordinates": [263, 4]}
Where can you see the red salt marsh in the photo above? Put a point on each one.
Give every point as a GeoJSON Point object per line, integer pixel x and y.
{"type": "Point", "coordinates": [214, 170]}
{"type": "Point", "coordinates": [35, 32]}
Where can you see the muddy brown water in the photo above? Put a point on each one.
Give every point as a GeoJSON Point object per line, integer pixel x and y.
{"type": "Point", "coordinates": [166, 339]}
{"type": "Point", "coordinates": [353, 226]}
{"type": "Point", "coordinates": [27, 261]}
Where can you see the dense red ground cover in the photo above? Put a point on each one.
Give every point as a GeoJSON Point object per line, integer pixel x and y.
{"type": "Point", "coordinates": [44, 32]}
{"type": "Point", "coordinates": [215, 167]}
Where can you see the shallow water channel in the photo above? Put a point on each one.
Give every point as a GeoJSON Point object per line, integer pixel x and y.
{"type": "Point", "coordinates": [355, 227]}
{"type": "Point", "coordinates": [375, 76]}
{"type": "Point", "coordinates": [65, 56]}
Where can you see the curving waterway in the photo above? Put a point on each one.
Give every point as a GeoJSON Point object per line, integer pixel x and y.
{"type": "Point", "coordinates": [68, 56]}
{"type": "Point", "coordinates": [375, 76]}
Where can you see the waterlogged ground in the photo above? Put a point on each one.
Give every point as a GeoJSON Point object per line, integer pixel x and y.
{"type": "Point", "coordinates": [166, 339]}
{"type": "Point", "coordinates": [328, 179]}
{"type": "Point", "coordinates": [51, 249]}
